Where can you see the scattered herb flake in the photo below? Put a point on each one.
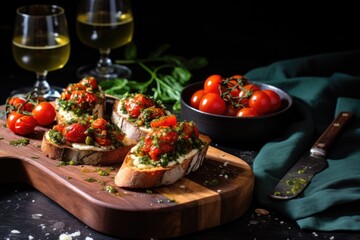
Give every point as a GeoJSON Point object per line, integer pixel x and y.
{"type": "Point", "coordinates": [212, 182]}
{"type": "Point", "coordinates": [90, 179]}
{"type": "Point", "coordinates": [110, 189]}
{"type": "Point", "coordinates": [20, 142]}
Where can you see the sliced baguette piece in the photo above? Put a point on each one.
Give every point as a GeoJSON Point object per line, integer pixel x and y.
{"type": "Point", "coordinates": [129, 176]}
{"type": "Point", "coordinates": [82, 154]}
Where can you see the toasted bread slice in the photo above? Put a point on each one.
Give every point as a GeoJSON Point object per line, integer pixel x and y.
{"type": "Point", "coordinates": [83, 154]}
{"type": "Point", "coordinates": [130, 176]}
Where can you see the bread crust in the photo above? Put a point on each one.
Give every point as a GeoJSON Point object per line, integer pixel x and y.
{"type": "Point", "coordinates": [129, 176]}
{"type": "Point", "coordinates": [130, 129]}
{"type": "Point", "coordinates": [67, 153]}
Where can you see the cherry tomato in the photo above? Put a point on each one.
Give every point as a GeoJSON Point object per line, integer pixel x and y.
{"type": "Point", "coordinates": [196, 98]}
{"type": "Point", "coordinates": [212, 84]}
{"type": "Point", "coordinates": [260, 102]}
{"type": "Point", "coordinates": [246, 92]}
{"type": "Point", "coordinates": [75, 133]}
{"type": "Point", "coordinates": [212, 103]}
{"type": "Point", "coordinates": [99, 123]}
{"type": "Point", "coordinates": [275, 99]}
{"type": "Point", "coordinates": [25, 125]}
{"type": "Point", "coordinates": [247, 112]}
{"type": "Point", "coordinates": [17, 103]}
{"type": "Point", "coordinates": [12, 118]}
{"type": "Point", "coordinates": [230, 110]}
{"type": "Point", "coordinates": [44, 113]}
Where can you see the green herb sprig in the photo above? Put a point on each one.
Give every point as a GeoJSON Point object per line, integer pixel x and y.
{"type": "Point", "coordinates": [168, 75]}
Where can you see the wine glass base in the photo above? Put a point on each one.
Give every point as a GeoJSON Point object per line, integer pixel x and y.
{"type": "Point", "coordinates": [53, 94]}
{"type": "Point", "coordinates": [120, 71]}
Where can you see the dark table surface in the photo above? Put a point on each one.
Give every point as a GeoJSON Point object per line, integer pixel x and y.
{"type": "Point", "coordinates": [263, 34]}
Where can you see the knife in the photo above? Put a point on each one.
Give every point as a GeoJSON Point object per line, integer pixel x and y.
{"type": "Point", "coordinates": [314, 161]}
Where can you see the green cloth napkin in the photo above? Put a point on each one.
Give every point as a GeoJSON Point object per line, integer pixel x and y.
{"type": "Point", "coordinates": [322, 86]}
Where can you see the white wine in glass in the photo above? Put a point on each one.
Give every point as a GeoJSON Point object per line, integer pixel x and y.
{"type": "Point", "coordinates": [41, 44]}
{"type": "Point", "coordinates": [104, 25]}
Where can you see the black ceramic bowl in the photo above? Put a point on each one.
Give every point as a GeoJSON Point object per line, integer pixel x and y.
{"type": "Point", "coordinates": [236, 130]}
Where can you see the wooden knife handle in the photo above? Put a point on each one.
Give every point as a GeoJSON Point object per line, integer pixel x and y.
{"type": "Point", "coordinates": [323, 143]}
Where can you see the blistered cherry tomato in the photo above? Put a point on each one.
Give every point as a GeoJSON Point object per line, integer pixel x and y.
{"type": "Point", "coordinates": [196, 98]}
{"type": "Point", "coordinates": [212, 103]}
{"type": "Point", "coordinates": [75, 133]}
{"type": "Point", "coordinates": [99, 123]}
{"type": "Point", "coordinates": [44, 113]}
{"type": "Point", "coordinates": [212, 84]}
{"type": "Point", "coordinates": [169, 120]}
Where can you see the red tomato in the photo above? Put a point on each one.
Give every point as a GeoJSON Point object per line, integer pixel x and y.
{"type": "Point", "coordinates": [12, 118]}
{"type": "Point", "coordinates": [188, 129]}
{"type": "Point", "coordinates": [230, 110]}
{"type": "Point", "coordinates": [212, 103]}
{"type": "Point", "coordinates": [101, 137]}
{"type": "Point", "coordinates": [246, 92]}
{"type": "Point", "coordinates": [89, 82]}
{"type": "Point", "coordinates": [18, 103]}
{"type": "Point", "coordinates": [275, 99]}
{"type": "Point", "coordinates": [164, 139]}
{"type": "Point", "coordinates": [164, 121]}
{"type": "Point", "coordinates": [75, 133]}
{"type": "Point", "coordinates": [83, 98]}
{"type": "Point", "coordinates": [25, 125]}
{"type": "Point", "coordinates": [247, 112]}
{"type": "Point", "coordinates": [196, 98]}
{"type": "Point", "coordinates": [134, 105]}
{"type": "Point", "coordinates": [260, 102]}
{"type": "Point", "coordinates": [212, 84]}
{"type": "Point", "coordinates": [99, 123]}
{"type": "Point", "coordinates": [44, 113]}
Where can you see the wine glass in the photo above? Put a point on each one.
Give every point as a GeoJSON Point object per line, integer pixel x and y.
{"type": "Point", "coordinates": [41, 44]}
{"type": "Point", "coordinates": [104, 25]}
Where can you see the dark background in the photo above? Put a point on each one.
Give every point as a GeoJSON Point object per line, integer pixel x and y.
{"type": "Point", "coordinates": [235, 36]}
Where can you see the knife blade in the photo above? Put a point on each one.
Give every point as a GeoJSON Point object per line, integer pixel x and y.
{"type": "Point", "coordinates": [312, 162]}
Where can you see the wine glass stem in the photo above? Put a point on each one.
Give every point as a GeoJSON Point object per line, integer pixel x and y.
{"type": "Point", "coordinates": [104, 65]}
{"type": "Point", "coordinates": [41, 86]}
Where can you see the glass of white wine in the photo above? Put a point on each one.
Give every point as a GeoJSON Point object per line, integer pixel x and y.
{"type": "Point", "coordinates": [41, 44]}
{"type": "Point", "coordinates": [104, 25]}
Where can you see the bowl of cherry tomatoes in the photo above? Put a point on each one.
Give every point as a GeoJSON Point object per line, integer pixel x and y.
{"type": "Point", "coordinates": [234, 110]}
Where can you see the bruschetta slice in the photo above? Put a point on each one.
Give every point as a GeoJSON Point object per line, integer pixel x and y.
{"type": "Point", "coordinates": [89, 142]}
{"type": "Point", "coordinates": [163, 156]}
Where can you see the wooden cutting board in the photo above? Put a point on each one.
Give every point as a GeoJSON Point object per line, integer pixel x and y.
{"type": "Point", "coordinates": [220, 191]}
